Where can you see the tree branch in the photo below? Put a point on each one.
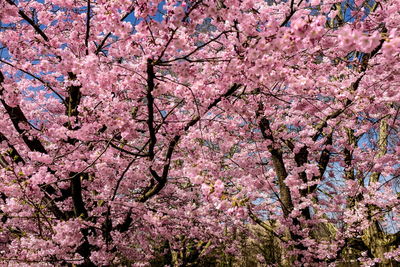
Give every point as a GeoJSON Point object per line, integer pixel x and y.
{"type": "Point", "coordinates": [153, 190]}
{"type": "Point", "coordinates": [30, 21]}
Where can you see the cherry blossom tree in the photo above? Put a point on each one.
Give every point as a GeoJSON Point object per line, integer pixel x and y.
{"type": "Point", "coordinates": [139, 129]}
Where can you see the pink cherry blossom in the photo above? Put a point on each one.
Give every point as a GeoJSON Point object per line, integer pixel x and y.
{"type": "Point", "coordinates": [182, 133]}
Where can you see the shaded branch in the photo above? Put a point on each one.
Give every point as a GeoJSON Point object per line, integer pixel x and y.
{"type": "Point", "coordinates": [153, 190]}
{"type": "Point", "coordinates": [279, 165]}
{"type": "Point", "coordinates": [30, 21]}
{"type": "Point", "coordinates": [150, 102]}
{"type": "Point", "coordinates": [17, 118]}
{"type": "Point", "coordinates": [87, 35]}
